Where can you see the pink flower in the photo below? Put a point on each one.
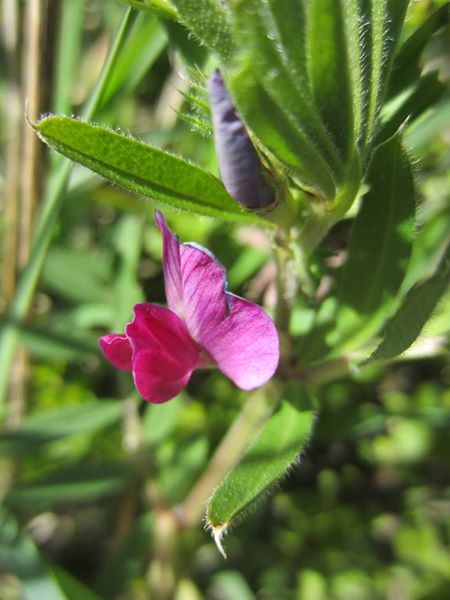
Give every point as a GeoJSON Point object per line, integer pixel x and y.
{"type": "Point", "coordinates": [204, 325]}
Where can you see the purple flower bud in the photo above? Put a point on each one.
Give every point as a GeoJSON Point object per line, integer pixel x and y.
{"type": "Point", "coordinates": [240, 168]}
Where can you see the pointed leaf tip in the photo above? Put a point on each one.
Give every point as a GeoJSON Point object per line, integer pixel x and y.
{"type": "Point", "coordinates": [218, 534]}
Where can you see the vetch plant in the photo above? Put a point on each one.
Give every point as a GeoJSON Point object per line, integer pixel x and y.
{"type": "Point", "coordinates": [309, 104]}
{"type": "Point", "coordinates": [204, 325]}
{"type": "Point", "coordinates": [301, 130]}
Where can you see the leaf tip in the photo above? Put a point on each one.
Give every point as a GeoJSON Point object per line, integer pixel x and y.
{"type": "Point", "coordinates": [217, 534]}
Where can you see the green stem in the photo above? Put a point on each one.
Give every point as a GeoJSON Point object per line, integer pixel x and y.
{"type": "Point", "coordinates": [323, 373]}
{"type": "Point", "coordinates": [29, 278]}
{"type": "Point", "coordinates": [284, 296]}
{"type": "Point", "coordinates": [254, 413]}
{"type": "Point", "coordinates": [314, 229]}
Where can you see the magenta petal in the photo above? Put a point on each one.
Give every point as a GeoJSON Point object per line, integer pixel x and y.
{"type": "Point", "coordinates": [158, 327]}
{"type": "Point", "coordinates": [117, 350]}
{"type": "Point", "coordinates": [164, 355]}
{"type": "Point", "coordinates": [158, 376]}
{"type": "Point", "coordinates": [245, 345]}
{"type": "Point", "coordinates": [194, 281]}
{"type": "Point", "coordinates": [171, 267]}
{"type": "Point", "coordinates": [204, 284]}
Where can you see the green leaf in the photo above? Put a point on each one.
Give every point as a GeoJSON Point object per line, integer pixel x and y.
{"type": "Point", "coordinates": [276, 104]}
{"type": "Point", "coordinates": [380, 244]}
{"type": "Point", "coordinates": [329, 69]}
{"type": "Point", "coordinates": [145, 44]}
{"type": "Point", "coordinates": [59, 341]}
{"type": "Point", "coordinates": [67, 53]}
{"type": "Point", "coordinates": [123, 564]}
{"type": "Point", "coordinates": [189, 49]}
{"type": "Point", "coordinates": [159, 421]}
{"type": "Point", "coordinates": [280, 135]}
{"type": "Point", "coordinates": [418, 306]}
{"type": "Point", "coordinates": [78, 483]}
{"type": "Point", "coordinates": [268, 54]}
{"type": "Point", "coordinates": [406, 68]}
{"type": "Point", "coordinates": [429, 126]}
{"type": "Point", "coordinates": [161, 8]}
{"type": "Point", "coordinates": [248, 262]}
{"type": "Point", "coordinates": [381, 26]}
{"type": "Point", "coordinates": [46, 426]}
{"type": "Point", "coordinates": [127, 292]}
{"type": "Point", "coordinates": [419, 97]}
{"type": "Point", "coordinates": [209, 22]}
{"type": "Point", "coordinates": [229, 585]}
{"type": "Point", "coordinates": [177, 475]}
{"type": "Point", "coordinates": [19, 555]}
{"type": "Point", "coordinates": [79, 276]}
{"type": "Point", "coordinates": [197, 112]}
{"type": "Point", "coordinates": [72, 588]}
{"type": "Point", "coordinates": [141, 168]}
{"type": "Point", "coordinates": [273, 451]}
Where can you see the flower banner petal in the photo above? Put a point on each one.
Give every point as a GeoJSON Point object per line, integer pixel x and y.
{"type": "Point", "coordinates": [204, 295]}
{"type": "Point", "coordinates": [195, 283]}
{"type": "Point", "coordinates": [171, 266]}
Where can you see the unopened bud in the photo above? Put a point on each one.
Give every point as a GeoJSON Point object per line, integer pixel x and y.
{"type": "Point", "coordinates": [240, 169]}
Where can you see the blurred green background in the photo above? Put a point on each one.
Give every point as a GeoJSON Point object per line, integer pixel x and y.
{"type": "Point", "coordinates": [366, 515]}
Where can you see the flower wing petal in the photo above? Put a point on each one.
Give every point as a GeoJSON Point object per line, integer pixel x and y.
{"type": "Point", "coordinates": [159, 327]}
{"type": "Point", "coordinates": [195, 283]}
{"type": "Point", "coordinates": [117, 350]}
{"type": "Point", "coordinates": [158, 376]}
{"type": "Point", "coordinates": [164, 355]}
{"type": "Point", "coordinates": [245, 345]}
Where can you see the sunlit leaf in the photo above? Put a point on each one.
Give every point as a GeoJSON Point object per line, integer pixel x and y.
{"type": "Point", "coordinates": [144, 45]}
{"type": "Point", "coordinates": [45, 426]}
{"type": "Point", "coordinates": [381, 241]}
{"type": "Point", "coordinates": [270, 455]}
{"type": "Point", "coordinates": [141, 168]}
{"type": "Point", "coordinates": [178, 474]}
{"type": "Point", "coordinates": [79, 483]}
{"type": "Point", "coordinates": [329, 68]}
{"type": "Point", "coordinates": [209, 22]}
{"type": "Point", "coordinates": [414, 312]}
{"type": "Point", "coordinates": [77, 275]}
{"type": "Point", "coordinates": [406, 107]}
{"type": "Point", "coordinates": [162, 8]}
{"type": "Point", "coordinates": [406, 68]}
{"type": "Point", "coordinates": [381, 26]}
{"type": "Point", "coordinates": [275, 102]}
{"type": "Point", "coordinates": [230, 585]}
